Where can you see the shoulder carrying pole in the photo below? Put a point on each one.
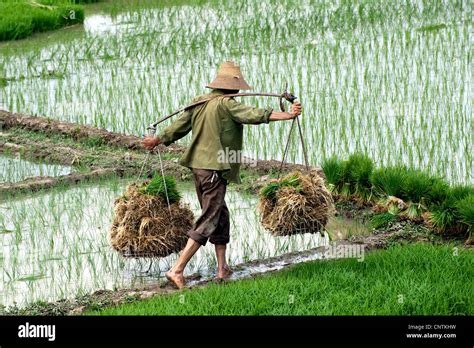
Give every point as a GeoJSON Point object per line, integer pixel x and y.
{"type": "Point", "coordinates": [285, 95]}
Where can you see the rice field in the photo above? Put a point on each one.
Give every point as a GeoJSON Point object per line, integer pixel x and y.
{"type": "Point", "coordinates": [14, 169]}
{"type": "Point", "coordinates": [54, 245]}
{"type": "Point", "coordinates": [388, 78]}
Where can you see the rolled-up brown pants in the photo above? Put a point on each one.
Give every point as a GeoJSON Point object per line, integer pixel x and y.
{"type": "Point", "coordinates": [213, 224]}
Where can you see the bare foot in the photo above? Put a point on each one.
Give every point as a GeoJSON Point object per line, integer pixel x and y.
{"type": "Point", "coordinates": [225, 273]}
{"type": "Point", "coordinates": [176, 278]}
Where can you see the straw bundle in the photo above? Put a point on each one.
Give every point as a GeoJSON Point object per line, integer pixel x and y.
{"type": "Point", "coordinates": [296, 204]}
{"type": "Point", "coordinates": [144, 225]}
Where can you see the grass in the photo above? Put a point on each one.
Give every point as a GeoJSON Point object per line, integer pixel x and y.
{"type": "Point", "coordinates": [20, 18]}
{"type": "Point", "coordinates": [17, 169]}
{"type": "Point", "coordinates": [410, 280]}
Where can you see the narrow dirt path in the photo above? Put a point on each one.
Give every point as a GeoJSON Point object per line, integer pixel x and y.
{"type": "Point", "coordinates": [75, 131]}
{"type": "Point", "coordinates": [89, 149]}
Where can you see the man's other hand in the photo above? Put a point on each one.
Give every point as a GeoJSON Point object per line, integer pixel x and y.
{"type": "Point", "coordinates": [295, 109]}
{"type": "Point", "coordinates": [283, 116]}
{"type": "Point", "coordinates": [150, 142]}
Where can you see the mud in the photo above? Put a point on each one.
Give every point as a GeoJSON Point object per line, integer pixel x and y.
{"type": "Point", "coordinates": [95, 164]}
{"type": "Point", "coordinates": [78, 132]}
{"type": "Point", "coordinates": [118, 153]}
{"type": "Point", "coordinates": [39, 183]}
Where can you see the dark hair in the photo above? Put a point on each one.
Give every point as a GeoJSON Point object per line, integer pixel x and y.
{"type": "Point", "coordinates": [230, 91]}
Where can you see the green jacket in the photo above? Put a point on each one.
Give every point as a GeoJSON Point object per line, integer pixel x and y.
{"type": "Point", "coordinates": [217, 133]}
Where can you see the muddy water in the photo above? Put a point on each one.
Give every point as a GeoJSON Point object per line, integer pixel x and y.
{"type": "Point", "coordinates": [54, 245]}
{"type": "Point", "coordinates": [14, 169]}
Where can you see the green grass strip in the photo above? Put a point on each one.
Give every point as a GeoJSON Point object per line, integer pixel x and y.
{"type": "Point", "coordinates": [416, 279]}
{"type": "Point", "coordinates": [22, 18]}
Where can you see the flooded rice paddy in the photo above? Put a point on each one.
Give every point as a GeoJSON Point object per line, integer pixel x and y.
{"type": "Point", "coordinates": [14, 169]}
{"type": "Point", "coordinates": [387, 78]}
{"type": "Point", "coordinates": [54, 245]}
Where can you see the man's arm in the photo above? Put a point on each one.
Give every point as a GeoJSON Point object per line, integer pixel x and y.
{"type": "Point", "coordinates": [283, 116]}
{"type": "Point", "coordinates": [244, 114]}
{"type": "Point", "coordinates": [170, 134]}
{"type": "Point", "coordinates": [249, 115]}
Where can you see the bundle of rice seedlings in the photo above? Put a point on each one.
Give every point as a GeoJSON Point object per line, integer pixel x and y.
{"type": "Point", "coordinates": [465, 211]}
{"type": "Point", "coordinates": [164, 187]}
{"type": "Point", "coordinates": [333, 169]}
{"type": "Point", "coordinates": [382, 219]}
{"type": "Point", "coordinates": [451, 215]}
{"type": "Point", "coordinates": [389, 180]}
{"type": "Point", "coordinates": [350, 178]}
{"type": "Point", "coordinates": [298, 203]}
{"type": "Point", "coordinates": [144, 224]}
{"type": "Point", "coordinates": [357, 171]}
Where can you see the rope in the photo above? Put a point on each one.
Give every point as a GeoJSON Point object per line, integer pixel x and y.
{"type": "Point", "coordinates": [285, 153]}
{"type": "Point", "coordinates": [164, 181]}
{"type": "Point", "coordinates": [161, 168]}
{"type": "Point", "coordinates": [145, 160]}
{"type": "Point", "coordinates": [303, 145]}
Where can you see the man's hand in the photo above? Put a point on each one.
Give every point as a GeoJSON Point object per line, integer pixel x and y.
{"type": "Point", "coordinates": [150, 142]}
{"type": "Point", "coordinates": [283, 116]}
{"type": "Point", "coordinates": [295, 109]}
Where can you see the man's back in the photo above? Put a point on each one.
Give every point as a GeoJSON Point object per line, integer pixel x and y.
{"type": "Point", "coordinates": [217, 131]}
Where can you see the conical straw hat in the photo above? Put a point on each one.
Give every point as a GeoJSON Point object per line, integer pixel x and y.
{"type": "Point", "coordinates": [229, 76]}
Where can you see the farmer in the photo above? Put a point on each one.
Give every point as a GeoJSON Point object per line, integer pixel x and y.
{"type": "Point", "coordinates": [214, 158]}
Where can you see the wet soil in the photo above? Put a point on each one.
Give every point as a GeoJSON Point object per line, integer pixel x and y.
{"type": "Point", "coordinates": [89, 149]}
{"type": "Point", "coordinates": [75, 131]}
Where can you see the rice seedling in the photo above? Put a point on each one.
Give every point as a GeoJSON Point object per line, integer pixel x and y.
{"type": "Point", "coordinates": [164, 187]}
{"type": "Point", "coordinates": [21, 18]}
{"type": "Point", "coordinates": [363, 71]}
{"type": "Point", "coordinates": [14, 169]}
{"type": "Point", "coordinates": [389, 180]}
{"type": "Point", "coordinates": [442, 217]}
{"type": "Point", "coordinates": [152, 224]}
{"type": "Point", "coordinates": [412, 270]}
{"type": "Point", "coordinates": [333, 169]}
{"type": "Point", "coordinates": [138, 46]}
{"type": "Point", "coordinates": [296, 204]}
{"type": "Point", "coordinates": [270, 191]}
{"type": "Point", "coordinates": [438, 192]}
{"type": "Point", "coordinates": [382, 220]}
{"type": "Point", "coordinates": [356, 173]}
{"type": "Point", "coordinates": [465, 211]}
